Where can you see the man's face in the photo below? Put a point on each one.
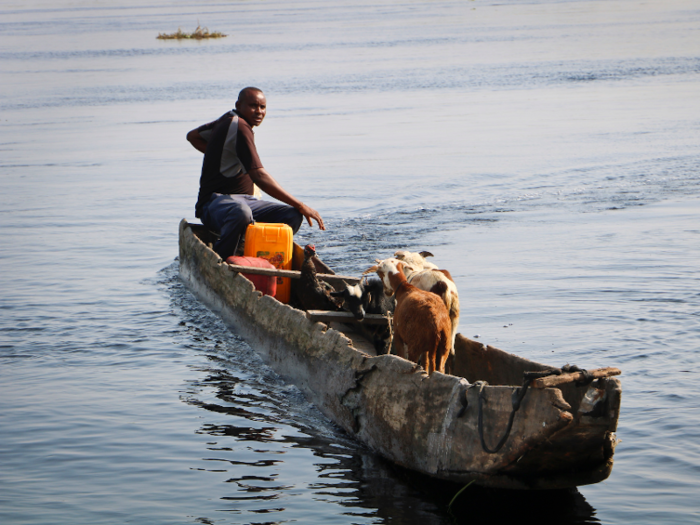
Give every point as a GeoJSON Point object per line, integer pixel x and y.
{"type": "Point", "coordinates": [252, 108]}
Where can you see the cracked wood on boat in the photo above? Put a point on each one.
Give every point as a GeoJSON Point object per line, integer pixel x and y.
{"type": "Point", "coordinates": [561, 437]}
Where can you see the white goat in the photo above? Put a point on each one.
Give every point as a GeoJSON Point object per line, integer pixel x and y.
{"type": "Point", "coordinates": [415, 261]}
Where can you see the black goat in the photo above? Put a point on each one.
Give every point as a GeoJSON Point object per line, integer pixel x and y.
{"type": "Point", "coordinates": [312, 293]}
{"type": "Point", "coordinates": [368, 297]}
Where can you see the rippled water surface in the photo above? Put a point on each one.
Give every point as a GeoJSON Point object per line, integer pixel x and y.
{"type": "Point", "coordinates": [544, 151]}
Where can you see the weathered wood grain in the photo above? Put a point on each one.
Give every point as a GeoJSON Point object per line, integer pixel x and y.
{"type": "Point", "coordinates": [551, 381]}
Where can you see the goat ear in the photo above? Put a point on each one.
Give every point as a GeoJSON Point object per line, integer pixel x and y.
{"type": "Point", "coordinates": [370, 270]}
{"type": "Point", "coordinates": [378, 261]}
{"type": "Point", "coordinates": [425, 254]}
{"type": "Point", "coordinates": [403, 268]}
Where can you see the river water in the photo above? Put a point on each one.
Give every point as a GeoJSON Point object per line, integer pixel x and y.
{"type": "Point", "coordinates": [545, 151]}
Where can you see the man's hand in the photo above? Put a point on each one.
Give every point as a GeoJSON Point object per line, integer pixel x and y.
{"type": "Point", "coordinates": [310, 213]}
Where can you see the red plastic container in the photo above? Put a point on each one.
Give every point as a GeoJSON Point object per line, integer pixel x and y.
{"type": "Point", "coordinates": [266, 284]}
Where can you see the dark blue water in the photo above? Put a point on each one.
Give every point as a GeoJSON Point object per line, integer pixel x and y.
{"type": "Point", "coordinates": [545, 152]}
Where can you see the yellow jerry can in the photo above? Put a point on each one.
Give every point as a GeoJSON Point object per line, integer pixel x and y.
{"type": "Point", "coordinates": [273, 242]}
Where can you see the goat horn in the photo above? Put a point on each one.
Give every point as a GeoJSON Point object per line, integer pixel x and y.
{"type": "Point", "coordinates": [370, 270]}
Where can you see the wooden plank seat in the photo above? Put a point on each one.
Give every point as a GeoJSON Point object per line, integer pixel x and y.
{"type": "Point", "coordinates": [294, 274]}
{"type": "Point", "coordinates": [327, 317]}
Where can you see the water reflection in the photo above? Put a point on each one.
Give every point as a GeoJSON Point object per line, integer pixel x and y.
{"type": "Point", "coordinates": [364, 484]}
{"type": "Point", "coordinates": [550, 507]}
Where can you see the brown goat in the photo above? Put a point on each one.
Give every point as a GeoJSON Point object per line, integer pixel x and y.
{"type": "Point", "coordinates": [422, 327]}
{"type": "Point", "coordinates": [441, 283]}
{"type": "Point", "coordinates": [428, 280]}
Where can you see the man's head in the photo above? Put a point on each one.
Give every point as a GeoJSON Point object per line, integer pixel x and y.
{"type": "Point", "coordinates": [251, 105]}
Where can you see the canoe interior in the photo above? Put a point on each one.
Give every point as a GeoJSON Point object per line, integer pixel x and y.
{"type": "Point", "coordinates": [578, 452]}
{"type": "Point", "coordinates": [473, 360]}
{"type": "Point", "coordinates": [358, 334]}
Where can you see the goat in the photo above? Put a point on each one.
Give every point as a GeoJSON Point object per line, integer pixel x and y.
{"type": "Point", "coordinates": [415, 261]}
{"type": "Point", "coordinates": [430, 280]}
{"type": "Point", "coordinates": [427, 280]}
{"type": "Point", "coordinates": [421, 321]}
{"type": "Point", "coordinates": [312, 293]}
{"type": "Point", "coordinates": [368, 297]}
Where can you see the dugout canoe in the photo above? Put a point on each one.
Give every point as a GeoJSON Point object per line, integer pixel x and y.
{"type": "Point", "coordinates": [445, 426]}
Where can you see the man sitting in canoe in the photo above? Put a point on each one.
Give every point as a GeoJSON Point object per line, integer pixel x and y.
{"type": "Point", "coordinates": [230, 172]}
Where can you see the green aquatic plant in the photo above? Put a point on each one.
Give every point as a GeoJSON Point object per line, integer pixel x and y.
{"type": "Point", "coordinates": [198, 34]}
{"type": "Point", "coordinates": [449, 506]}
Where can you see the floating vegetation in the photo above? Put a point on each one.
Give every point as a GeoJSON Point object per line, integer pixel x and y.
{"type": "Point", "coordinates": [198, 34]}
{"type": "Point", "coordinates": [465, 487]}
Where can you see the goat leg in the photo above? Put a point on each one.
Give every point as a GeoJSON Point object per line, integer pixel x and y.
{"type": "Point", "coordinates": [400, 346]}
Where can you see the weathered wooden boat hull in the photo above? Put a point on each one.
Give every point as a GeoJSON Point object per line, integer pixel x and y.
{"type": "Point", "coordinates": [561, 437]}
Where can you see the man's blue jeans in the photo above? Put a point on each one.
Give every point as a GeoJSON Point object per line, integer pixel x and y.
{"type": "Point", "coordinates": [230, 215]}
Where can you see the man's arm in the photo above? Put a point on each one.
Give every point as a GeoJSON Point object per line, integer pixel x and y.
{"type": "Point", "coordinates": [270, 186]}
{"type": "Point", "coordinates": [197, 141]}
